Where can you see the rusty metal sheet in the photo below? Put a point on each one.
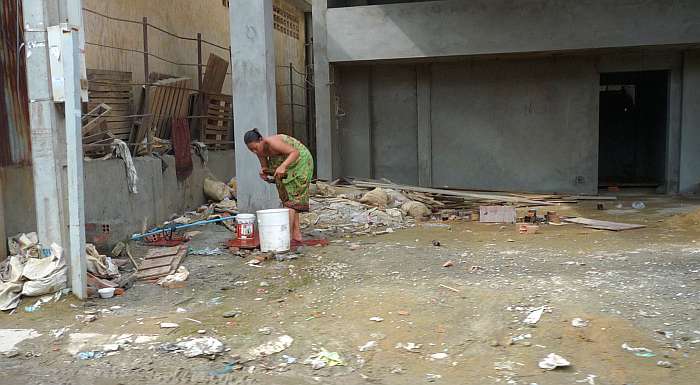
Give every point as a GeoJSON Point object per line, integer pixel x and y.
{"type": "Point", "coordinates": [15, 135]}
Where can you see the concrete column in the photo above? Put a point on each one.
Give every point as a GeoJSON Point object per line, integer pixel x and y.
{"type": "Point", "coordinates": [690, 126]}
{"type": "Point", "coordinates": [55, 131]}
{"type": "Point", "coordinates": [425, 146]}
{"type": "Point", "coordinates": [322, 78]}
{"type": "Point", "coordinates": [254, 97]}
{"type": "Point", "coordinates": [45, 122]}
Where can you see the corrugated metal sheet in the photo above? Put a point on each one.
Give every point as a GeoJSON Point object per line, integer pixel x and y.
{"type": "Point", "coordinates": [15, 138]}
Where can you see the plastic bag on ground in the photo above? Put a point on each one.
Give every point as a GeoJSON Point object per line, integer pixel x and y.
{"type": "Point", "coordinates": [47, 285]}
{"type": "Point", "coordinates": [38, 268]}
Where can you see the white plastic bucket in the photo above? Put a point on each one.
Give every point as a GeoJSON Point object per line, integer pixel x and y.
{"type": "Point", "coordinates": [245, 226]}
{"type": "Point", "coordinates": [273, 227]}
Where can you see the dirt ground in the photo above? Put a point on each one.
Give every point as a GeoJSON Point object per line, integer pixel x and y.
{"type": "Point", "coordinates": [636, 287]}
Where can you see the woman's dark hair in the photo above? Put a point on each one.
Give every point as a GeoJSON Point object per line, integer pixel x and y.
{"type": "Point", "coordinates": [252, 136]}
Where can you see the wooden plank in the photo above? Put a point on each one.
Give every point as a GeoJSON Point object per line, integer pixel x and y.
{"type": "Point", "coordinates": [589, 198]}
{"type": "Point", "coordinates": [102, 87]}
{"type": "Point", "coordinates": [456, 193]}
{"type": "Point", "coordinates": [603, 225]}
{"type": "Point", "coordinates": [214, 74]}
{"type": "Point", "coordinates": [161, 252]}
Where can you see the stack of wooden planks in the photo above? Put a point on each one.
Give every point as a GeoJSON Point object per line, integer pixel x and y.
{"type": "Point", "coordinates": [111, 88]}
{"type": "Point", "coordinates": [161, 261]}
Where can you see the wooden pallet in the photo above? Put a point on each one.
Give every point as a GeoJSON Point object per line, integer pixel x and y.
{"type": "Point", "coordinates": [165, 100]}
{"type": "Point", "coordinates": [161, 261]}
{"type": "Point", "coordinates": [111, 88]}
{"type": "Point", "coordinates": [214, 127]}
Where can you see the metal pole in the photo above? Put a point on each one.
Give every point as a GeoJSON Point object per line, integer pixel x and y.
{"type": "Point", "coordinates": [70, 56]}
{"type": "Point", "coordinates": [145, 49]}
{"type": "Point", "coordinates": [199, 61]}
{"type": "Point", "coordinates": [291, 97]}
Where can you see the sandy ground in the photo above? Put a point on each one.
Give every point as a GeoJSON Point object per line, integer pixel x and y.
{"type": "Point", "coordinates": [639, 287]}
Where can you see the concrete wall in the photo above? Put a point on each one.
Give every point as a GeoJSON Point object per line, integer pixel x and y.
{"type": "Point", "coordinates": [108, 201]}
{"type": "Point", "coordinates": [526, 124]}
{"type": "Point", "coordinates": [690, 130]}
{"type": "Point", "coordinates": [473, 27]}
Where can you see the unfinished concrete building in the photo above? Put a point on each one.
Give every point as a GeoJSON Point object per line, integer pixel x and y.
{"type": "Point", "coordinates": [563, 96]}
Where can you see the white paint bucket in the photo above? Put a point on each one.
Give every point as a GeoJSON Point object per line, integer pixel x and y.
{"type": "Point", "coordinates": [273, 227]}
{"type": "Point", "coordinates": [245, 226]}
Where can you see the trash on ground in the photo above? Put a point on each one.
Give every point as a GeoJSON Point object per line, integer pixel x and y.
{"type": "Point", "coordinates": [89, 355]}
{"type": "Point", "coordinates": [553, 361]}
{"type": "Point", "coordinates": [271, 347]}
{"type": "Point", "coordinates": [639, 352]}
{"type": "Point", "coordinates": [448, 264]}
{"type": "Point", "coordinates": [664, 364]}
{"type": "Point", "coordinates": [370, 345]}
{"type": "Point", "coordinates": [376, 319]}
{"type": "Point", "coordinates": [168, 325]}
{"type": "Point", "coordinates": [409, 346]}
{"type": "Point", "coordinates": [579, 323]}
{"type": "Point", "coordinates": [201, 346]}
{"type": "Point", "coordinates": [176, 280]}
{"type": "Point", "coordinates": [521, 337]}
{"type": "Point", "coordinates": [534, 316]}
{"type": "Point", "coordinates": [206, 251]}
{"type": "Point", "coordinates": [439, 356]}
{"type": "Point", "coordinates": [638, 205]}
{"type": "Point", "coordinates": [431, 377]}
{"type": "Point", "coordinates": [324, 358]}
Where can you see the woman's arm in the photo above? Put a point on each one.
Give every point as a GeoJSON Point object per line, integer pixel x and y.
{"type": "Point", "coordinates": [279, 146]}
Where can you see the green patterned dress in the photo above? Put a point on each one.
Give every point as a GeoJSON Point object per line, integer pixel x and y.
{"type": "Point", "coordinates": [294, 188]}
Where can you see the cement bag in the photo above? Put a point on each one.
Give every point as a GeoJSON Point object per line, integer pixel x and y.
{"type": "Point", "coordinates": [215, 190]}
{"type": "Point", "coordinates": [47, 285]}
{"type": "Point", "coordinates": [377, 197]}
{"type": "Point", "coordinates": [233, 185]}
{"type": "Point", "coordinates": [415, 209]}
{"type": "Point", "coordinates": [38, 268]}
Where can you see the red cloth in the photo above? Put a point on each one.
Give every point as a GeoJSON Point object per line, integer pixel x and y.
{"type": "Point", "coordinates": [181, 146]}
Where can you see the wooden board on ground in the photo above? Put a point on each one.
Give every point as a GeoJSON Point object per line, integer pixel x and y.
{"type": "Point", "coordinates": [497, 214]}
{"type": "Point", "coordinates": [603, 225]}
{"type": "Point", "coordinates": [161, 261]}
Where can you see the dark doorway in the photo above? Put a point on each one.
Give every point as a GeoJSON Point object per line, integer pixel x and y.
{"type": "Point", "coordinates": [633, 129]}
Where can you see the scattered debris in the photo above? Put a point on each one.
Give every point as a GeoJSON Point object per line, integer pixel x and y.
{"type": "Point", "coordinates": [534, 316]}
{"type": "Point", "coordinates": [431, 377]}
{"type": "Point", "coordinates": [449, 288]}
{"type": "Point", "coordinates": [439, 356]}
{"type": "Point", "coordinates": [664, 364]}
{"type": "Point", "coordinates": [553, 361]}
{"type": "Point", "coordinates": [638, 205]}
{"type": "Point", "coordinates": [579, 323]}
{"type": "Point", "coordinates": [231, 314]}
{"type": "Point", "coordinates": [201, 346]}
{"type": "Point", "coordinates": [409, 346]}
{"type": "Point", "coordinates": [370, 345]}
{"type": "Point", "coordinates": [168, 325]}
{"type": "Point", "coordinates": [436, 243]}
{"type": "Point", "coordinates": [176, 280]}
{"type": "Point", "coordinates": [639, 352]}
{"type": "Point", "coordinates": [448, 264]}
{"type": "Point", "coordinates": [376, 319]}
{"type": "Point", "coordinates": [271, 347]}
{"type": "Point", "coordinates": [206, 251]}
{"type": "Point", "coordinates": [324, 358]}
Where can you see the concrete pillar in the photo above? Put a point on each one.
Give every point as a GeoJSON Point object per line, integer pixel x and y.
{"type": "Point", "coordinates": [690, 126]}
{"type": "Point", "coordinates": [254, 96]}
{"type": "Point", "coordinates": [425, 146]}
{"type": "Point", "coordinates": [46, 124]}
{"type": "Point", "coordinates": [55, 130]}
{"type": "Point", "coordinates": [326, 153]}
